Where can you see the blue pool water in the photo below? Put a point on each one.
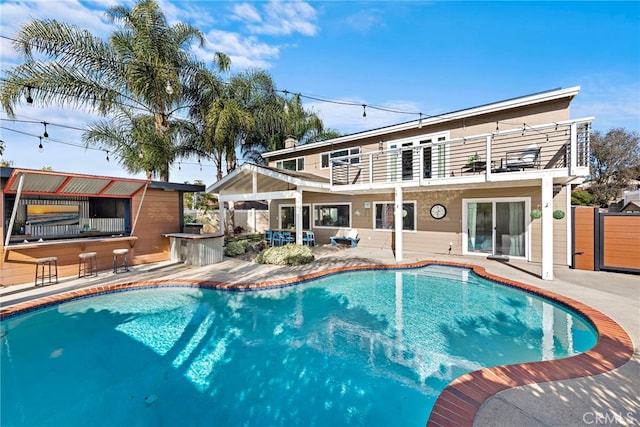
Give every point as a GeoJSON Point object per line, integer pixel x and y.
{"type": "Point", "coordinates": [361, 348]}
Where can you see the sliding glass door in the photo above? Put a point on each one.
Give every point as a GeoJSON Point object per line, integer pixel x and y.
{"type": "Point", "coordinates": [496, 227]}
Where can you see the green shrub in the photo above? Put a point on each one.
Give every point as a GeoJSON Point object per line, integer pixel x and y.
{"type": "Point", "coordinates": [234, 249]}
{"type": "Point", "coordinates": [290, 254]}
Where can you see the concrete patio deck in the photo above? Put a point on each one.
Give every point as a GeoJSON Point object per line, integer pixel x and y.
{"type": "Point", "coordinates": [612, 398]}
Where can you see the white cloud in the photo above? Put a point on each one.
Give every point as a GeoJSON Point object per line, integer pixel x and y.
{"type": "Point", "coordinates": [365, 21]}
{"type": "Point", "coordinates": [246, 12]}
{"type": "Point", "coordinates": [280, 18]}
{"type": "Point", "coordinates": [243, 51]}
{"type": "Point", "coordinates": [612, 105]}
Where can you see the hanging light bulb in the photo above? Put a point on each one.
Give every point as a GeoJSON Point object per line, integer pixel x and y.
{"type": "Point", "coordinates": [420, 122]}
{"type": "Point", "coordinates": [107, 151]}
{"type": "Point", "coordinates": [40, 147]}
{"type": "Point", "coordinates": [168, 88]}
{"type": "Point", "coordinates": [286, 100]}
{"type": "Point", "coordinates": [497, 128]}
{"type": "Point", "coordinates": [179, 167]}
{"type": "Point", "coordinates": [45, 134]}
{"type": "Point", "coordinates": [364, 110]}
{"type": "Point", "coordinates": [29, 98]}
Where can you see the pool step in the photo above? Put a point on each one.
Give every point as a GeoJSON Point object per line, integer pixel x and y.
{"type": "Point", "coordinates": [444, 272]}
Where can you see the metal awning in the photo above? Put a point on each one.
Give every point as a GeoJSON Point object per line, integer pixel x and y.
{"type": "Point", "coordinates": [67, 184]}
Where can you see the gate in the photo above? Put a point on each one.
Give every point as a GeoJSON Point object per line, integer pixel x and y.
{"type": "Point", "coordinates": [605, 240]}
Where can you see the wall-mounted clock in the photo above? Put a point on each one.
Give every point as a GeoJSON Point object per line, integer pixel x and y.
{"type": "Point", "coordinates": [438, 211]}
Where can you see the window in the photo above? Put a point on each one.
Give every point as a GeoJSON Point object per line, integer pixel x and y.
{"type": "Point", "coordinates": [324, 158]}
{"type": "Point", "coordinates": [332, 215]}
{"type": "Point", "coordinates": [291, 164]}
{"type": "Point", "coordinates": [288, 216]}
{"type": "Point", "coordinates": [385, 218]}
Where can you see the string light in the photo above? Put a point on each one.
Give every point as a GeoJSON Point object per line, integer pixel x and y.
{"type": "Point", "coordinates": [286, 101]}
{"type": "Point", "coordinates": [364, 110]}
{"type": "Point", "coordinates": [169, 89]}
{"type": "Point", "coordinates": [40, 147]}
{"type": "Point", "coordinates": [45, 134]}
{"type": "Point", "coordinates": [420, 122]}
{"type": "Point", "coordinates": [107, 151]}
{"type": "Point", "coordinates": [29, 98]}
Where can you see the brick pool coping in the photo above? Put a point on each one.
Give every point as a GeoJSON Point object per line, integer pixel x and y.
{"type": "Point", "coordinates": [459, 402]}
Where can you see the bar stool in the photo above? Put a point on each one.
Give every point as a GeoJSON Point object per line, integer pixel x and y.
{"type": "Point", "coordinates": [120, 260]}
{"type": "Point", "coordinates": [40, 265]}
{"type": "Point", "coordinates": [87, 264]}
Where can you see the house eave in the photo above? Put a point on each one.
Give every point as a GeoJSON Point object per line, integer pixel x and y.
{"type": "Point", "coordinates": [442, 118]}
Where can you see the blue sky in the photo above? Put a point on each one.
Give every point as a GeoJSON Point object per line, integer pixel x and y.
{"type": "Point", "coordinates": [429, 57]}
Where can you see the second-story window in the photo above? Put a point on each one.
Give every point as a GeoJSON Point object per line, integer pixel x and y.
{"type": "Point", "coordinates": [291, 164]}
{"type": "Point", "coordinates": [324, 157]}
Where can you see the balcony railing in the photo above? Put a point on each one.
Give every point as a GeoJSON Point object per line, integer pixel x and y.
{"type": "Point", "coordinates": [555, 146]}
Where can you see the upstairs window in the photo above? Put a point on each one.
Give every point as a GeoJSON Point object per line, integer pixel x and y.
{"type": "Point", "coordinates": [291, 164]}
{"type": "Point", "coordinates": [324, 157]}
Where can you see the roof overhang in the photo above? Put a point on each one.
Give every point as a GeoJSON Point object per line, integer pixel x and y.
{"type": "Point", "coordinates": [250, 178]}
{"type": "Point", "coordinates": [48, 183]}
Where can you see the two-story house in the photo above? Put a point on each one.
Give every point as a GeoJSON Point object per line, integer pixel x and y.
{"type": "Point", "coordinates": [492, 180]}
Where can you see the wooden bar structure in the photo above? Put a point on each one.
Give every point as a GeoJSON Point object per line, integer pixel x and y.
{"type": "Point", "coordinates": [112, 213]}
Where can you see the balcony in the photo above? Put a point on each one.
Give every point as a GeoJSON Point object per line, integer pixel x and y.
{"type": "Point", "coordinates": [561, 149]}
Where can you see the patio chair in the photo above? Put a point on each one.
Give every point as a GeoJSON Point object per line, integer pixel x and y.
{"type": "Point", "coordinates": [276, 238]}
{"type": "Point", "coordinates": [286, 237]}
{"type": "Point", "coordinates": [268, 236]}
{"type": "Point", "coordinates": [309, 238]}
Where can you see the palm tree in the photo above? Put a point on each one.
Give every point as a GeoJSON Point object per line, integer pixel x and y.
{"type": "Point", "coordinates": [142, 67]}
{"type": "Point", "coordinates": [278, 123]}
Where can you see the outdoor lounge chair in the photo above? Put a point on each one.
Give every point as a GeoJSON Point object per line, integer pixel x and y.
{"type": "Point", "coordinates": [345, 235]}
{"type": "Point", "coordinates": [529, 158]}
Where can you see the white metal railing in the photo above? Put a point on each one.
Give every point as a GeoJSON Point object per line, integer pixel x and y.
{"type": "Point", "coordinates": [561, 145]}
{"type": "Point", "coordinates": [104, 225]}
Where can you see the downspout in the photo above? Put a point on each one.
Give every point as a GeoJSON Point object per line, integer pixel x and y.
{"type": "Point", "coordinates": [135, 221]}
{"type": "Point", "coordinates": [14, 212]}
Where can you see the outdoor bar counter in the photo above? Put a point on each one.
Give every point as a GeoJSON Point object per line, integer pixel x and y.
{"type": "Point", "coordinates": [196, 249]}
{"type": "Point", "coordinates": [19, 258]}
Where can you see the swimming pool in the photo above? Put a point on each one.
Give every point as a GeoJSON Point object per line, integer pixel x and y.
{"type": "Point", "coordinates": [374, 347]}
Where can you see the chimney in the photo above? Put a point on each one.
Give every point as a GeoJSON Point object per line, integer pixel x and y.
{"type": "Point", "coordinates": [290, 142]}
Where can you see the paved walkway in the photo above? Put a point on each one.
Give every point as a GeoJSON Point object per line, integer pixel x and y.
{"type": "Point", "coordinates": [612, 398]}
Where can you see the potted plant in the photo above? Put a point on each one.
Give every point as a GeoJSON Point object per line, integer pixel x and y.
{"type": "Point", "coordinates": [473, 158]}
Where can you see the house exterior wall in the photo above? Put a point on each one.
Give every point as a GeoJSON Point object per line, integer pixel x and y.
{"type": "Point", "coordinates": [547, 112]}
{"type": "Point", "coordinates": [431, 235]}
